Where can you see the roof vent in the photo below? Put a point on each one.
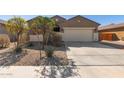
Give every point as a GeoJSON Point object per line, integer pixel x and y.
{"type": "Point", "coordinates": [79, 21]}
{"type": "Point", "coordinates": [57, 19]}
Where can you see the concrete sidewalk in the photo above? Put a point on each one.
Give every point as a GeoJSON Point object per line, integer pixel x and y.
{"type": "Point", "coordinates": [83, 71]}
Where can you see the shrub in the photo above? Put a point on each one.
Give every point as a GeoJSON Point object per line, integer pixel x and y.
{"type": "Point", "coordinates": [56, 39]}
{"type": "Point", "coordinates": [4, 41]}
{"type": "Point", "coordinates": [30, 44]}
{"type": "Point", "coordinates": [18, 50]}
{"type": "Point", "coordinates": [49, 51]}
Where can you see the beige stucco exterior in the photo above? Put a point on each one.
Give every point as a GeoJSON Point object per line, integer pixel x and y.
{"type": "Point", "coordinates": [72, 34]}
{"type": "Point", "coordinates": [2, 29]}
{"type": "Point", "coordinates": [81, 29]}
{"type": "Point", "coordinates": [35, 38]}
{"type": "Point", "coordinates": [77, 28]}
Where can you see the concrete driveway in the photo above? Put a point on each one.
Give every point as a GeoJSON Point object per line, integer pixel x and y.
{"type": "Point", "coordinates": [96, 60]}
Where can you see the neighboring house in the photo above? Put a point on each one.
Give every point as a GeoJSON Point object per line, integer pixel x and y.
{"type": "Point", "coordinates": [77, 28]}
{"type": "Point", "coordinates": [112, 32]}
{"type": "Point", "coordinates": [2, 27]}
{"type": "Point", "coordinates": [3, 30]}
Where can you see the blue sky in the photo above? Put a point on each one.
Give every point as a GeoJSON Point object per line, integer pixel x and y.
{"type": "Point", "coordinates": [102, 19]}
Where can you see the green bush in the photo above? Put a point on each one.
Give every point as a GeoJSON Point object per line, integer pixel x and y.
{"type": "Point", "coordinates": [18, 50]}
{"type": "Point", "coordinates": [30, 44]}
{"type": "Point", "coordinates": [4, 41]}
{"type": "Point", "coordinates": [49, 51]}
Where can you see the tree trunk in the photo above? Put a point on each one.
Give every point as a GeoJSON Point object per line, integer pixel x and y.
{"type": "Point", "coordinates": [40, 46]}
{"type": "Point", "coordinates": [40, 51]}
{"type": "Point", "coordinates": [17, 40]}
{"type": "Point", "coordinates": [43, 41]}
{"type": "Point", "coordinates": [14, 40]}
{"type": "Point", "coordinates": [47, 39]}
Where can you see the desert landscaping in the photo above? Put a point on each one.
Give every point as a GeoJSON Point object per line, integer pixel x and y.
{"type": "Point", "coordinates": [18, 50]}
{"type": "Point", "coordinates": [59, 48]}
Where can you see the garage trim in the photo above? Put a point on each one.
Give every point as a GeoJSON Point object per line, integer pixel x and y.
{"type": "Point", "coordinates": [76, 28]}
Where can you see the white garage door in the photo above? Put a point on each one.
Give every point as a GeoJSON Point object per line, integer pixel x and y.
{"type": "Point", "coordinates": [78, 34]}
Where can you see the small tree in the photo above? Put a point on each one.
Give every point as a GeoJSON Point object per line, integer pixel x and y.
{"type": "Point", "coordinates": [33, 24]}
{"type": "Point", "coordinates": [42, 25]}
{"type": "Point", "coordinates": [17, 26]}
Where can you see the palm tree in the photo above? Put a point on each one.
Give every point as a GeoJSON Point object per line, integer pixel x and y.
{"type": "Point", "coordinates": [33, 24]}
{"type": "Point", "coordinates": [17, 26]}
{"type": "Point", "coordinates": [42, 25]}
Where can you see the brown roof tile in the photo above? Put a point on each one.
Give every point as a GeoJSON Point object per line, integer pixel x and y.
{"type": "Point", "coordinates": [111, 26]}
{"type": "Point", "coordinates": [59, 17]}
{"type": "Point", "coordinates": [79, 21]}
{"type": "Point", "coordinates": [2, 21]}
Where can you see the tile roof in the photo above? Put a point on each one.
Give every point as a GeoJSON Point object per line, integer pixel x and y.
{"type": "Point", "coordinates": [80, 21]}
{"type": "Point", "coordinates": [76, 21]}
{"type": "Point", "coordinates": [2, 21]}
{"type": "Point", "coordinates": [57, 16]}
{"type": "Point", "coordinates": [79, 16]}
{"type": "Point", "coordinates": [111, 26]}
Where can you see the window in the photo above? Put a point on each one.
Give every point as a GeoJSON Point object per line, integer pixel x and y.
{"type": "Point", "coordinates": [56, 29]}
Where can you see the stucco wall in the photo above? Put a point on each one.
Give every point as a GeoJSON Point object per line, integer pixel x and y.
{"type": "Point", "coordinates": [35, 38]}
{"type": "Point", "coordinates": [73, 34]}
{"type": "Point", "coordinates": [119, 34]}
{"type": "Point", "coordinates": [2, 29]}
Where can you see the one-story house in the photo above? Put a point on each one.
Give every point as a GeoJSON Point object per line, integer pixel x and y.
{"type": "Point", "coordinates": [112, 32]}
{"type": "Point", "coordinates": [77, 28]}
{"type": "Point", "coordinates": [2, 27]}
{"type": "Point", "coordinates": [3, 30]}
